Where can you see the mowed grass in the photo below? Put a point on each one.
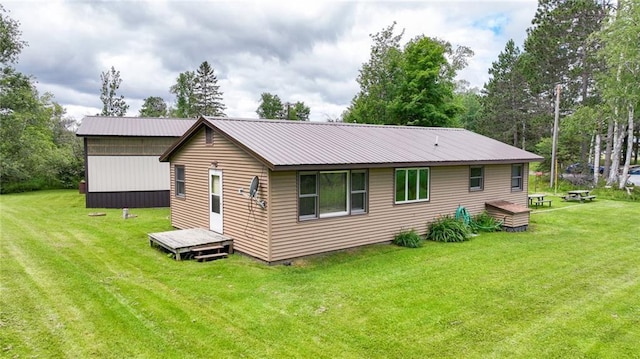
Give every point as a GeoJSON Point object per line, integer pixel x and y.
{"type": "Point", "coordinates": [74, 286]}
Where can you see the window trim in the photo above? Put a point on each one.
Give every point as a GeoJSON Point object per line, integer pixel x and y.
{"type": "Point", "coordinates": [364, 191]}
{"type": "Point", "coordinates": [183, 180]}
{"type": "Point", "coordinates": [318, 193]}
{"type": "Point", "coordinates": [481, 178]}
{"type": "Point", "coordinates": [406, 185]}
{"type": "Point", "coordinates": [520, 177]}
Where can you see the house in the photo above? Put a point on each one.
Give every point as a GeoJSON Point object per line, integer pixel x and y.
{"type": "Point", "coordinates": [330, 186]}
{"type": "Point", "coordinates": [121, 160]}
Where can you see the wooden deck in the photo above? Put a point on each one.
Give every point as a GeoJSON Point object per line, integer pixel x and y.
{"type": "Point", "coordinates": [189, 240]}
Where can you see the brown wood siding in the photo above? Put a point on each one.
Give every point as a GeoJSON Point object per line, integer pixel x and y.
{"type": "Point", "coordinates": [449, 187]}
{"type": "Point", "coordinates": [131, 199]}
{"type": "Point", "coordinates": [243, 220]}
{"type": "Point", "coordinates": [127, 146]}
{"type": "Point", "coordinates": [512, 220]}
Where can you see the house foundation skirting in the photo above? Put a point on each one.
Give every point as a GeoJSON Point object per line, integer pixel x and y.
{"type": "Point", "coordinates": [133, 199]}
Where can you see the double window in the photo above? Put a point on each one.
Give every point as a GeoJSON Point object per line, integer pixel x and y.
{"type": "Point", "coordinates": [412, 185]}
{"type": "Point", "coordinates": [331, 193]}
{"type": "Point", "coordinates": [476, 178]}
{"type": "Point", "coordinates": [180, 181]}
{"type": "Point", "coordinates": [516, 176]}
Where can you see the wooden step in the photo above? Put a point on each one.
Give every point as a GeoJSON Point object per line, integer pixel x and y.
{"type": "Point", "coordinates": [211, 256]}
{"type": "Point", "coordinates": [206, 248]}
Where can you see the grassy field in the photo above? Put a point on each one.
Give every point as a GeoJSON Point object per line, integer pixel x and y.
{"type": "Point", "coordinates": [74, 286]}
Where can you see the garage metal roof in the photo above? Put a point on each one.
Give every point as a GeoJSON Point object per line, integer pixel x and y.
{"type": "Point", "coordinates": [133, 126]}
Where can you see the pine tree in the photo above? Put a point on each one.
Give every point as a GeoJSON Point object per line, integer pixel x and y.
{"type": "Point", "coordinates": [206, 92]}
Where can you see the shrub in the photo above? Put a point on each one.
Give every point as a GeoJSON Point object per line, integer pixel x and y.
{"type": "Point", "coordinates": [448, 229]}
{"type": "Point", "coordinates": [409, 239]}
{"type": "Point", "coordinates": [483, 222]}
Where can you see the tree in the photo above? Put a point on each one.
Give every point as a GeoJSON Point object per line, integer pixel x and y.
{"type": "Point", "coordinates": [270, 107]}
{"type": "Point", "coordinates": [408, 86]}
{"type": "Point", "coordinates": [206, 92]}
{"type": "Point", "coordinates": [621, 51]}
{"type": "Point", "coordinates": [185, 98]}
{"type": "Point", "coordinates": [153, 106]}
{"type": "Point", "coordinates": [426, 92]}
{"type": "Point", "coordinates": [378, 79]}
{"type": "Point", "coordinates": [112, 104]}
{"type": "Point", "coordinates": [507, 102]}
{"type": "Point", "coordinates": [299, 112]}
{"type": "Point", "coordinates": [10, 43]}
{"type": "Point", "coordinates": [470, 101]}
{"type": "Point", "coordinates": [37, 148]}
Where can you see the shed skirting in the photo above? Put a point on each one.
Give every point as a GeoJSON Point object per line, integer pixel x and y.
{"type": "Point", "coordinates": [133, 199]}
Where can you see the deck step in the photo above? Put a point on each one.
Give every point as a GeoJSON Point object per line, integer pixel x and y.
{"type": "Point", "coordinates": [206, 248]}
{"type": "Point", "coordinates": [204, 257]}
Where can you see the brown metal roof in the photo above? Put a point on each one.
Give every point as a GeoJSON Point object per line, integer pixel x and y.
{"type": "Point", "coordinates": [134, 126]}
{"type": "Point", "coordinates": [285, 145]}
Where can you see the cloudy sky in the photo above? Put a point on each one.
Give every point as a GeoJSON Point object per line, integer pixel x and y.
{"type": "Point", "coordinates": [307, 51]}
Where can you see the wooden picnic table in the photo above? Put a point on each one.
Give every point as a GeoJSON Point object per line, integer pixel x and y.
{"type": "Point", "coordinates": [579, 195]}
{"type": "Point", "coordinates": [537, 199]}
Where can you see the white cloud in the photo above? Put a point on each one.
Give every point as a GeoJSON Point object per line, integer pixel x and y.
{"type": "Point", "coordinates": [302, 51]}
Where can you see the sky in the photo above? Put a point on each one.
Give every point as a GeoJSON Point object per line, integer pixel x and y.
{"type": "Point", "coordinates": [308, 51]}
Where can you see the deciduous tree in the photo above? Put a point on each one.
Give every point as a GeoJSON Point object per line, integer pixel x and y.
{"type": "Point", "coordinates": [113, 105]}
{"type": "Point", "coordinates": [408, 86]}
{"type": "Point", "coordinates": [10, 43]}
{"type": "Point", "coordinates": [153, 106]}
{"type": "Point", "coordinates": [185, 98]}
{"type": "Point", "coordinates": [270, 107]}
{"type": "Point", "coordinates": [619, 83]}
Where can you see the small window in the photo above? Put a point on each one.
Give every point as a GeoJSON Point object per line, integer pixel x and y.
{"type": "Point", "coordinates": [180, 182]}
{"type": "Point", "coordinates": [412, 185]}
{"type": "Point", "coordinates": [476, 178]}
{"type": "Point", "coordinates": [516, 177]}
{"type": "Point", "coordinates": [358, 191]}
{"type": "Point", "coordinates": [308, 192]}
{"type": "Point", "coordinates": [208, 135]}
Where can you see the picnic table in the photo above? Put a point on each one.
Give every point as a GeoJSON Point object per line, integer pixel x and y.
{"type": "Point", "coordinates": [537, 199]}
{"type": "Point", "coordinates": [579, 195]}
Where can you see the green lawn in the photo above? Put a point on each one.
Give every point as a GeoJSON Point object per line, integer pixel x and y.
{"type": "Point", "coordinates": [76, 286]}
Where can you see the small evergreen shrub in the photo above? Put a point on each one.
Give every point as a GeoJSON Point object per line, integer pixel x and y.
{"type": "Point", "coordinates": [409, 239]}
{"type": "Point", "coordinates": [448, 229]}
{"type": "Point", "coordinates": [483, 222]}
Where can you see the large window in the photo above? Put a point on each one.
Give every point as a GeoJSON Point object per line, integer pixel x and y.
{"type": "Point", "coordinates": [476, 178]}
{"type": "Point", "coordinates": [180, 183]}
{"type": "Point", "coordinates": [412, 185]}
{"type": "Point", "coordinates": [331, 193]}
{"type": "Point", "coordinates": [516, 177]}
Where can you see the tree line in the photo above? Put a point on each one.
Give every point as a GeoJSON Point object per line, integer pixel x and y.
{"type": "Point", "coordinates": [587, 54]}
{"type": "Point", "coordinates": [197, 94]}
{"type": "Point", "coordinates": [583, 52]}
{"type": "Point", "coordinates": [38, 146]}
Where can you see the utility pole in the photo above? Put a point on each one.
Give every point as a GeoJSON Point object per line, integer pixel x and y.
{"type": "Point", "coordinates": [554, 144]}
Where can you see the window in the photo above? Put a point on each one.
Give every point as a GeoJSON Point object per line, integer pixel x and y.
{"type": "Point", "coordinates": [476, 178]}
{"type": "Point", "coordinates": [208, 135]}
{"type": "Point", "coordinates": [180, 183]}
{"type": "Point", "coordinates": [516, 177]}
{"type": "Point", "coordinates": [412, 185]}
{"type": "Point", "coordinates": [358, 191]}
{"type": "Point", "coordinates": [331, 193]}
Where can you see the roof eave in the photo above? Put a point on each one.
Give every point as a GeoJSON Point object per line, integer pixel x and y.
{"type": "Point", "coordinates": [337, 166]}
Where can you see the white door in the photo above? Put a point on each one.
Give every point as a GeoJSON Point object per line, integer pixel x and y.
{"type": "Point", "coordinates": [215, 200]}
